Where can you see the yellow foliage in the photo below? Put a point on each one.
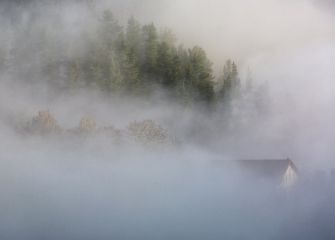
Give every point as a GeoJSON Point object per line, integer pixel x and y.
{"type": "Point", "coordinates": [87, 125]}
{"type": "Point", "coordinates": [147, 132]}
{"type": "Point", "coordinates": [44, 123]}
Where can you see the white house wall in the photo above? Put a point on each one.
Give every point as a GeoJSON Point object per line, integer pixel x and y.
{"type": "Point", "coordinates": [290, 178]}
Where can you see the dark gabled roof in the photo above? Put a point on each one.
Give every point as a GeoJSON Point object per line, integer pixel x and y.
{"type": "Point", "coordinates": [272, 168]}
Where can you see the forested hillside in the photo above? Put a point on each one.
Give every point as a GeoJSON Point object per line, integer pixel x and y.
{"type": "Point", "coordinates": [133, 59]}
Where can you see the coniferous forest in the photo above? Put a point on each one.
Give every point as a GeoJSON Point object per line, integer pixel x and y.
{"type": "Point", "coordinates": [49, 53]}
{"type": "Point", "coordinates": [131, 59]}
{"type": "Point", "coordinates": [167, 120]}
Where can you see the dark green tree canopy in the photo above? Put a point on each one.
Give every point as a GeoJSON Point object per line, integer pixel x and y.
{"type": "Point", "coordinates": [133, 59]}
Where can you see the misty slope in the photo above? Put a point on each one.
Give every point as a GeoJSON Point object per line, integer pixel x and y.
{"type": "Point", "coordinates": [112, 128]}
{"type": "Point", "coordinates": [51, 56]}
{"type": "Point", "coordinates": [101, 54]}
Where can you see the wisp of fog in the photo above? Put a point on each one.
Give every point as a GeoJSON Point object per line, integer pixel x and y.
{"type": "Point", "coordinates": [136, 136]}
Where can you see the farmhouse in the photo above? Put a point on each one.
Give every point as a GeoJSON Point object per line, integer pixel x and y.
{"type": "Point", "coordinates": [281, 171]}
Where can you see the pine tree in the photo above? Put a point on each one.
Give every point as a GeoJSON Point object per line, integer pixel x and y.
{"type": "Point", "coordinates": [164, 65]}
{"type": "Point", "coordinates": [230, 82]}
{"type": "Point", "coordinates": [109, 29]}
{"type": "Point", "coordinates": [115, 79]}
{"type": "Point", "coordinates": [150, 37]}
{"type": "Point", "coordinates": [200, 75]}
{"type": "Point", "coordinates": [133, 37]}
{"type": "Point", "coordinates": [168, 37]}
{"type": "Point", "coordinates": [181, 64]}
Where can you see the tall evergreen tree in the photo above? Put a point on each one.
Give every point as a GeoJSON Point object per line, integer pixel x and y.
{"type": "Point", "coordinates": [230, 81]}
{"type": "Point", "coordinates": [200, 74]}
{"type": "Point", "coordinates": [128, 65]}
{"type": "Point", "coordinates": [181, 65]}
{"type": "Point", "coordinates": [150, 37]}
{"type": "Point", "coordinates": [133, 36]}
{"type": "Point", "coordinates": [164, 65]}
{"type": "Point", "coordinates": [109, 29]}
{"type": "Point", "coordinates": [115, 80]}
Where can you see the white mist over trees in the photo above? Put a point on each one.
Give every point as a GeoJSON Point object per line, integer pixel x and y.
{"type": "Point", "coordinates": [130, 59]}
{"type": "Point", "coordinates": [57, 51]}
{"type": "Point", "coordinates": [117, 118]}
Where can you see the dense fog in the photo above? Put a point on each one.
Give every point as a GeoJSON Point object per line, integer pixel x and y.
{"type": "Point", "coordinates": [95, 143]}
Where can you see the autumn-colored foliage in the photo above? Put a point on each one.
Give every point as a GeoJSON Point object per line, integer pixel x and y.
{"type": "Point", "coordinates": [87, 125]}
{"type": "Point", "coordinates": [44, 123]}
{"type": "Point", "coordinates": [140, 132]}
{"type": "Point", "coordinates": [147, 132]}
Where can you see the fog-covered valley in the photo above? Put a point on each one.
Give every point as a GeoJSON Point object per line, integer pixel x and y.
{"type": "Point", "coordinates": [118, 119]}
